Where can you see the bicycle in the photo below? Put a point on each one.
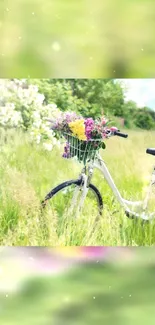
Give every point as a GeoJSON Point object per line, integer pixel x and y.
{"type": "Point", "coordinates": [78, 190]}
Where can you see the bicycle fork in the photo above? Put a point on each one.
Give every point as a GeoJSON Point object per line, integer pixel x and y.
{"type": "Point", "coordinates": [83, 189]}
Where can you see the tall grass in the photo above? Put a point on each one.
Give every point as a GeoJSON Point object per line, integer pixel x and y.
{"type": "Point", "coordinates": [27, 173]}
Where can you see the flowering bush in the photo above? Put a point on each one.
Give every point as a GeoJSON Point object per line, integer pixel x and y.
{"type": "Point", "coordinates": [9, 116]}
{"type": "Point", "coordinates": [84, 136]}
{"type": "Point", "coordinates": [22, 106]}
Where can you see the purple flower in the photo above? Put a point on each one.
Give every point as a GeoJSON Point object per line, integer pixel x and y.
{"type": "Point", "coordinates": [70, 117]}
{"type": "Point", "coordinates": [89, 126]}
{"type": "Point", "coordinates": [66, 153]}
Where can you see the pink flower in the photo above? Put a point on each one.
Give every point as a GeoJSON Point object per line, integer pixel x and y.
{"type": "Point", "coordinates": [104, 121]}
{"type": "Point", "coordinates": [113, 128]}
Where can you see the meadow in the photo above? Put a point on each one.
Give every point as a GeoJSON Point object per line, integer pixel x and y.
{"type": "Point", "coordinates": [28, 172]}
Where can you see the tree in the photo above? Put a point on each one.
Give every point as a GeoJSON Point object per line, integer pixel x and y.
{"type": "Point", "coordinates": [92, 98]}
{"type": "Point", "coordinates": [87, 96]}
{"type": "Point", "coordinates": [144, 120]}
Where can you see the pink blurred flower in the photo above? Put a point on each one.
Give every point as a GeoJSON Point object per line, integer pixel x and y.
{"type": "Point", "coordinates": [104, 121]}
{"type": "Point", "coordinates": [113, 128]}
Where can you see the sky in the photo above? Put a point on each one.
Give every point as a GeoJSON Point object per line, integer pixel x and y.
{"type": "Point", "coordinates": [142, 91]}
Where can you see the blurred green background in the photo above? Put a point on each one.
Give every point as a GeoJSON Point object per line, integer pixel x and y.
{"type": "Point", "coordinates": [55, 38]}
{"type": "Point", "coordinates": [97, 292]}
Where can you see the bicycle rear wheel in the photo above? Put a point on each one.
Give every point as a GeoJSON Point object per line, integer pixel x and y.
{"type": "Point", "coordinates": [64, 199]}
{"type": "Point", "coordinates": [145, 210]}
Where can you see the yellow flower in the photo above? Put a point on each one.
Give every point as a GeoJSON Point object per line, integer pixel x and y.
{"type": "Point", "coordinates": [78, 129]}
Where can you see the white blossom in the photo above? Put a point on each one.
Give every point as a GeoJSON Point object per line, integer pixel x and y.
{"type": "Point", "coordinates": [15, 99]}
{"type": "Point", "coordinates": [48, 146]}
{"type": "Point", "coordinates": [38, 138]}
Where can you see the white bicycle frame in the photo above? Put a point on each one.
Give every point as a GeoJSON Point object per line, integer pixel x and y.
{"type": "Point", "coordinates": [125, 204]}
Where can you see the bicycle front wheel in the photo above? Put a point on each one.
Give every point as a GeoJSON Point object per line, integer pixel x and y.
{"type": "Point", "coordinates": [65, 199]}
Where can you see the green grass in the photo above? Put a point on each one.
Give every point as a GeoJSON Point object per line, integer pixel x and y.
{"type": "Point", "coordinates": [27, 173]}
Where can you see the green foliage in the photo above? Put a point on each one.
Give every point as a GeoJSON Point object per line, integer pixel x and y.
{"type": "Point", "coordinates": [93, 97]}
{"type": "Point", "coordinates": [144, 120]}
{"type": "Point", "coordinates": [56, 92]}
{"type": "Point", "coordinates": [87, 97]}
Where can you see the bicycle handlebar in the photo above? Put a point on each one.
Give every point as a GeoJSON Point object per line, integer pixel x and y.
{"type": "Point", "coordinates": [119, 134]}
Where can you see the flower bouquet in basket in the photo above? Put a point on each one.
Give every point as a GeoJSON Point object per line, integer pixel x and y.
{"type": "Point", "coordinates": [84, 136]}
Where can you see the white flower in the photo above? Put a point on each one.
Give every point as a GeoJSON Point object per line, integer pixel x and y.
{"type": "Point", "coordinates": [48, 146]}
{"type": "Point", "coordinates": [33, 88]}
{"type": "Point", "coordinates": [52, 107]}
{"type": "Point", "coordinates": [54, 141]}
{"type": "Point", "coordinates": [37, 124]}
{"type": "Point", "coordinates": [58, 143]}
{"type": "Point", "coordinates": [36, 114]}
{"type": "Point", "coordinates": [38, 138]}
{"type": "Point", "coordinates": [40, 98]}
{"type": "Point", "coordinates": [13, 95]}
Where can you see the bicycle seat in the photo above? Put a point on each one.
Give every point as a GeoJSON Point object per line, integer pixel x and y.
{"type": "Point", "coordinates": [151, 151]}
